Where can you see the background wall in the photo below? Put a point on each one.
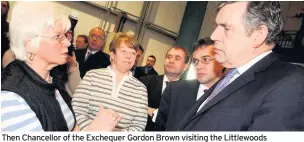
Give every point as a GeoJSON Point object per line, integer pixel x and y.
{"type": "Point", "coordinates": [167, 14]}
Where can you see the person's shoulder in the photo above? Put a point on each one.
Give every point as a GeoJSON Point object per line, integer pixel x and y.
{"type": "Point", "coordinates": [106, 54]}
{"type": "Point", "coordinates": [288, 69]}
{"type": "Point", "coordinates": [137, 82]}
{"type": "Point", "coordinates": [152, 77]}
{"type": "Point", "coordinates": [98, 72]}
{"type": "Point", "coordinates": [184, 83]}
{"type": "Point", "coordinates": [80, 50]}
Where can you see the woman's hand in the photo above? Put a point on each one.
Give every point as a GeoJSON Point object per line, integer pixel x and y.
{"type": "Point", "coordinates": [72, 63]}
{"type": "Point", "coordinates": [106, 120]}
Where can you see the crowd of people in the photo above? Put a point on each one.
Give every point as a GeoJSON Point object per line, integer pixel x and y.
{"type": "Point", "coordinates": [240, 83]}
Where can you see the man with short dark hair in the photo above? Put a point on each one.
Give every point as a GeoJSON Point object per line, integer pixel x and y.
{"type": "Point", "coordinates": [180, 96]}
{"type": "Point", "coordinates": [259, 92]}
{"type": "Point", "coordinates": [93, 57]}
{"type": "Point", "coordinates": [81, 42]}
{"type": "Point", "coordinates": [176, 62]}
{"type": "Point", "coordinates": [136, 71]}
{"type": "Point", "coordinates": [149, 70]}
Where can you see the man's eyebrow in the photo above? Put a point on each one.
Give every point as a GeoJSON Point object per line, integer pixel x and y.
{"type": "Point", "coordinates": [205, 56]}
{"type": "Point", "coordinates": [178, 56]}
{"type": "Point", "coordinates": [224, 24]}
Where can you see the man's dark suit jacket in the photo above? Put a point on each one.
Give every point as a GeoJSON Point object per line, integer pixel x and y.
{"type": "Point", "coordinates": [140, 71]}
{"type": "Point", "coordinates": [268, 96]}
{"type": "Point", "coordinates": [177, 99]}
{"type": "Point", "coordinates": [95, 61]}
{"type": "Point", "coordinates": [154, 84]}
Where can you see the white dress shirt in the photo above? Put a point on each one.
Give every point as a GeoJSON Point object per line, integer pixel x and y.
{"type": "Point", "coordinates": [201, 90]}
{"type": "Point", "coordinates": [88, 50]}
{"type": "Point", "coordinates": [246, 66]}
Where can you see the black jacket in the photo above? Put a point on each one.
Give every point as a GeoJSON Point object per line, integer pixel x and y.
{"type": "Point", "coordinates": [154, 84]}
{"type": "Point", "coordinates": [95, 61]}
{"type": "Point", "coordinates": [38, 94]}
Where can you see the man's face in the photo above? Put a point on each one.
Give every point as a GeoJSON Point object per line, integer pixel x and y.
{"type": "Point", "coordinates": [233, 47]}
{"type": "Point", "coordinates": [80, 43]}
{"type": "Point", "coordinates": [175, 62]}
{"type": "Point", "coordinates": [208, 71]}
{"type": "Point", "coordinates": [150, 62]}
{"type": "Point", "coordinates": [4, 7]}
{"type": "Point", "coordinates": [138, 57]}
{"type": "Point", "coordinates": [96, 39]}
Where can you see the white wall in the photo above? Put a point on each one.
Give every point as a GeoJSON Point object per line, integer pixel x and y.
{"type": "Point", "coordinates": [168, 14]}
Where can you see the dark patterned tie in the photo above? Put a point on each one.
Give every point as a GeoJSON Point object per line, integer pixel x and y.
{"type": "Point", "coordinates": [88, 55]}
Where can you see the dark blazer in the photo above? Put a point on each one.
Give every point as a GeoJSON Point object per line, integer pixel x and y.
{"type": "Point", "coordinates": [176, 101]}
{"type": "Point", "coordinates": [154, 84]}
{"type": "Point", "coordinates": [268, 96]}
{"type": "Point", "coordinates": [141, 71]}
{"type": "Point", "coordinates": [95, 61]}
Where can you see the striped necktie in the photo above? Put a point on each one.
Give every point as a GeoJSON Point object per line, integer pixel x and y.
{"type": "Point", "coordinates": [220, 86]}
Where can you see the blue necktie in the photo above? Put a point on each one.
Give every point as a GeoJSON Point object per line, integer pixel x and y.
{"type": "Point", "coordinates": [220, 86]}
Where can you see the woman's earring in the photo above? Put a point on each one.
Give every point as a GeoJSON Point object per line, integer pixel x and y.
{"type": "Point", "coordinates": [32, 56]}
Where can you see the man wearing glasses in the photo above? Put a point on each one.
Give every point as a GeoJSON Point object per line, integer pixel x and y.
{"type": "Point", "coordinates": [180, 96]}
{"type": "Point", "coordinates": [93, 57]}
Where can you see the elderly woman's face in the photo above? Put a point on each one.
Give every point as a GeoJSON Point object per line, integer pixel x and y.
{"type": "Point", "coordinates": [124, 58]}
{"type": "Point", "coordinates": [54, 45]}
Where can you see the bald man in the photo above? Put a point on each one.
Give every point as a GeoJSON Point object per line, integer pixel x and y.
{"type": "Point", "coordinates": [93, 57]}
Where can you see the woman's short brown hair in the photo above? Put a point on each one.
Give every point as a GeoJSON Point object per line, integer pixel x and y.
{"type": "Point", "coordinates": [123, 38]}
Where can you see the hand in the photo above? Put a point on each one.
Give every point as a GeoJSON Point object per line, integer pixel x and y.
{"type": "Point", "coordinates": [105, 120]}
{"type": "Point", "coordinates": [150, 111]}
{"type": "Point", "coordinates": [71, 61]}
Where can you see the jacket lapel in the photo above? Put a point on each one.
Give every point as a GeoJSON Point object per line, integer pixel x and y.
{"type": "Point", "coordinates": [192, 111]}
{"type": "Point", "coordinates": [189, 97]}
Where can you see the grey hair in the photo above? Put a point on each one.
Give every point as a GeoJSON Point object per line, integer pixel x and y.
{"type": "Point", "coordinates": [28, 20]}
{"type": "Point", "coordinates": [260, 13]}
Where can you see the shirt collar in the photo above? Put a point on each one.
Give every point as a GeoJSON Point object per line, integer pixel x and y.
{"type": "Point", "coordinates": [166, 78]}
{"type": "Point", "coordinates": [128, 75]}
{"type": "Point", "coordinates": [246, 66]}
{"type": "Point", "coordinates": [93, 52]}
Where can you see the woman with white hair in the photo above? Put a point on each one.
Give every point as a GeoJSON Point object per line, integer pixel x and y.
{"type": "Point", "coordinates": [30, 100]}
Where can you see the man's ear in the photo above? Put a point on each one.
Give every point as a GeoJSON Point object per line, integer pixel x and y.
{"type": "Point", "coordinates": [259, 36]}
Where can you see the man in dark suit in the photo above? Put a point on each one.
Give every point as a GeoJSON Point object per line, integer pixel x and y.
{"type": "Point", "coordinates": [176, 62]}
{"type": "Point", "coordinates": [149, 69]}
{"type": "Point", "coordinates": [180, 96]}
{"type": "Point", "coordinates": [136, 71]}
{"type": "Point", "coordinates": [93, 57]}
{"type": "Point", "coordinates": [259, 93]}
